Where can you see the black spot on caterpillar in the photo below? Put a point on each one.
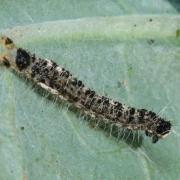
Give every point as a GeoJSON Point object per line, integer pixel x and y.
{"type": "Point", "coordinates": [22, 59]}
{"type": "Point", "coordinates": [61, 83]}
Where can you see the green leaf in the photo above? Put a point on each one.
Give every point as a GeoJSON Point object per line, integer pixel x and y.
{"type": "Point", "coordinates": [131, 58]}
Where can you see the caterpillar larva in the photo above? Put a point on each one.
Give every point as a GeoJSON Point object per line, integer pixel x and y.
{"type": "Point", "coordinates": [60, 82]}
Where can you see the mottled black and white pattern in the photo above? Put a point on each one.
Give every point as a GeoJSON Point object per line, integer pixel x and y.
{"type": "Point", "coordinates": [62, 83]}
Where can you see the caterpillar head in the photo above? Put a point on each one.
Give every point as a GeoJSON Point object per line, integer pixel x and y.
{"type": "Point", "coordinates": [159, 129]}
{"type": "Point", "coordinates": [15, 57]}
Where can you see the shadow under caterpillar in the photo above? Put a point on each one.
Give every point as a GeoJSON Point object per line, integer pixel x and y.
{"type": "Point", "coordinates": [62, 84]}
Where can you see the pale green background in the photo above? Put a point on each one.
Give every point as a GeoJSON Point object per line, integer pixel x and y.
{"type": "Point", "coordinates": [108, 44]}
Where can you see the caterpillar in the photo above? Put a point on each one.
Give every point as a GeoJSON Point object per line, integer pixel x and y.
{"type": "Point", "coordinates": [61, 83]}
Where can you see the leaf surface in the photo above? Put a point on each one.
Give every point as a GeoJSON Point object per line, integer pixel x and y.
{"type": "Point", "coordinates": [128, 55]}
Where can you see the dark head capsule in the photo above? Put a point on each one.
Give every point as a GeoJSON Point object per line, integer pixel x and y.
{"type": "Point", "coordinates": [163, 127]}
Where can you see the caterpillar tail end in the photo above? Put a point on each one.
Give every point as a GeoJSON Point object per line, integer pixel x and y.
{"type": "Point", "coordinates": [7, 44]}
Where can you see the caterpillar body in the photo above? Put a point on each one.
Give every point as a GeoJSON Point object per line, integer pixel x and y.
{"type": "Point", "coordinates": [60, 82]}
